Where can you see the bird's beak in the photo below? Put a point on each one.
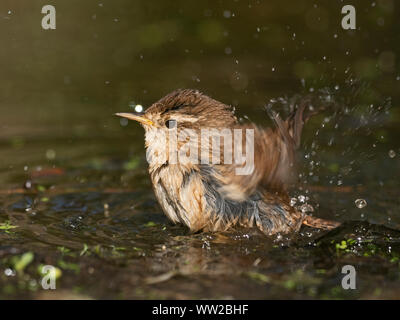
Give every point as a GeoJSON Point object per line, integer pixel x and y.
{"type": "Point", "coordinates": [136, 117]}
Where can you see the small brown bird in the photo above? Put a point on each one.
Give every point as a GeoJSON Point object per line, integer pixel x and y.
{"type": "Point", "coordinates": [206, 194]}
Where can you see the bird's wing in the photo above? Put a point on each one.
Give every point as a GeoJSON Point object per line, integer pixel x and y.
{"type": "Point", "coordinates": [271, 168]}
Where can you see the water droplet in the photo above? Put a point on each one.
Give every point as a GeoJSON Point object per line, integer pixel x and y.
{"type": "Point", "coordinates": [360, 203]}
{"type": "Point", "coordinates": [301, 198]}
{"type": "Point", "coordinates": [50, 154]}
{"type": "Point", "coordinates": [138, 108]}
{"type": "Point", "coordinates": [392, 154]}
{"type": "Point", "coordinates": [28, 184]}
{"type": "Point", "coordinates": [306, 208]}
{"type": "Point", "coordinates": [9, 272]}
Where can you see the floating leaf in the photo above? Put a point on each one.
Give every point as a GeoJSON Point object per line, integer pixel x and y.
{"type": "Point", "coordinates": [7, 226]}
{"type": "Point", "coordinates": [258, 277]}
{"type": "Point", "coordinates": [150, 224]}
{"type": "Point", "coordinates": [21, 262]}
{"type": "Point", "coordinates": [69, 266]}
{"type": "Point", "coordinates": [84, 250]}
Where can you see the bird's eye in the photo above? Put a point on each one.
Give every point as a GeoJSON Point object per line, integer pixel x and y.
{"type": "Point", "coordinates": [170, 123]}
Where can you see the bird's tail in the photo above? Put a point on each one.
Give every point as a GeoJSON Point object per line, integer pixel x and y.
{"type": "Point", "coordinates": [318, 223]}
{"type": "Point", "coordinates": [292, 127]}
{"type": "Point", "coordinates": [295, 122]}
{"type": "Point", "coordinates": [291, 130]}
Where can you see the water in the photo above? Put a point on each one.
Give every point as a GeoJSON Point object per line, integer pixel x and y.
{"type": "Point", "coordinates": [74, 190]}
{"type": "Point", "coordinates": [360, 203]}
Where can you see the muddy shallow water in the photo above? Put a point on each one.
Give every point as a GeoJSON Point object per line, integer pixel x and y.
{"type": "Point", "coordinates": [74, 189]}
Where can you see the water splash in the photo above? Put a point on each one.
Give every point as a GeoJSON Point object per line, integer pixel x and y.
{"type": "Point", "coordinates": [360, 203]}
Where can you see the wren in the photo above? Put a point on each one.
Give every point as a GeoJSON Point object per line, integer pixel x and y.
{"type": "Point", "coordinates": [204, 194]}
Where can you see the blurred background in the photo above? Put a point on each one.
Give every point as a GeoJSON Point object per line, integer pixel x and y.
{"type": "Point", "coordinates": [106, 55]}
{"type": "Point", "coordinates": [63, 153]}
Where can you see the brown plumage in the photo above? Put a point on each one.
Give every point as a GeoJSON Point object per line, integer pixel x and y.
{"type": "Point", "coordinates": [212, 196]}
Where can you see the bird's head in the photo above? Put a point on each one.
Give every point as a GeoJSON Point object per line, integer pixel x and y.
{"type": "Point", "coordinates": [181, 110]}
{"type": "Point", "coordinates": [184, 109]}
